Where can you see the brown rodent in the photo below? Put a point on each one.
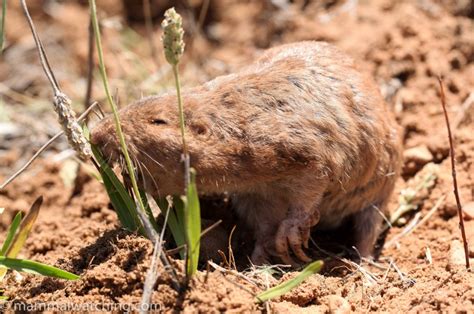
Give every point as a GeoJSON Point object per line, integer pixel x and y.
{"type": "Point", "coordinates": [300, 138]}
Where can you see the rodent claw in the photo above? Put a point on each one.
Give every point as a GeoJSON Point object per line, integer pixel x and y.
{"type": "Point", "coordinates": [286, 258]}
{"type": "Point", "coordinates": [290, 233]}
{"type": "Point", "coordinates": [306, 236]}
{"type": "Point", "coordinates": [295, 238]}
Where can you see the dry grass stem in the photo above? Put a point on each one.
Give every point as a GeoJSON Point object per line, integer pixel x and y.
{"type": "Point", "coordinates": [412, 228]}
{"type": "Point", "coordinates": [235, 273]}
{"type": "Point", "coordinates": [149, 32]}
{"type": "Point", "coordinates": [203, 13]}
{"type": "Point", "coordinates": [61, 102]}
{"type": "Point", "coordinates": [90, 64]}
{"type": "Point", "coordinates": [465, 107]}
{"type": "Point", "coordinates": [43, 148]}
{"type": "Point", "coordinates": [453, 170]}
{"type": "Point", "coordinates": [412, 197]}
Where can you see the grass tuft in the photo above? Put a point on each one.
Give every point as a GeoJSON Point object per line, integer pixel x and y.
{"type": "Point", "coordinates": [16, 237]}
{"type": "Point", "coordinates": [314, 267]}
{"type": "Point", "coordinates": [118, 127]}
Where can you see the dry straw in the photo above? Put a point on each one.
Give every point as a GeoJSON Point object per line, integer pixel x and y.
{"type": "Point", "coordinates": [61, 102]}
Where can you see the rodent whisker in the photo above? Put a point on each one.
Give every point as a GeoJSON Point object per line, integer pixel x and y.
{"type": "Point", "coordinates": [152, 159]}
{"type": "Point", "coordinates": [152, 178]}
{"type": "Point", "coordinates": [139, 170]}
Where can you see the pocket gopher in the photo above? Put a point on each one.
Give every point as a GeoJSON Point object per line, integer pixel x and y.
{"type": "Point", "coordinates": [299, 139]}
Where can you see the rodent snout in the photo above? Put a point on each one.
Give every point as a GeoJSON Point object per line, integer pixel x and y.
{"type": "Point", "coordinates": [103, 136]}
{"type": "Point", "coordinates": [98, 136]}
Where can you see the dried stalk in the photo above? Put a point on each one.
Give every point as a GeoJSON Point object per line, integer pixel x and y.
{"type": "Point", "coordinates": [90, 65]}
{"type": "Point", "coordinates": [410, 229]}
{"type": "Point", "coordinates": [149, 32]}
{"type": "Point", "coordinates": [61, 102]}
{"type": "Point", "coordinates": [43, 148]}
{"type": "Point", "coordinates": [453, 171]}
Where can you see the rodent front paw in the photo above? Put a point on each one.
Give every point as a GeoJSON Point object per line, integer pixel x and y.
{"type": "Point", "coordinates": [294, 232]}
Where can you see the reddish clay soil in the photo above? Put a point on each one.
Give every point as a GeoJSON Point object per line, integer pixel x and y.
{"type": "Point", "coordinates": [404, 44]}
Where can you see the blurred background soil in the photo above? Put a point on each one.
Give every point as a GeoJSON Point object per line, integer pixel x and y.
{"type": "Point", "coordinates": [406, 45]}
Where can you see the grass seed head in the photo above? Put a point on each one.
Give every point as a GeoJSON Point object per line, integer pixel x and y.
{"type": "Point", "coordinates": [173, 32]}
{"type": "Point", "coordinates": [68, 121]}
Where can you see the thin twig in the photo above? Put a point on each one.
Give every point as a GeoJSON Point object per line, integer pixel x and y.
{"type": "Point", "coordinates": [155, 238]}
{"type": "Point", "coordinates": [149, 32]}
{"type": "Point", "coordinates": [203, 233]}
{"type": "Point", "coordinates": [43, 148]}
{"type": "Point", "coordinates": [42, 55]}
{"type": "Point", "coordinates": [150, 279]}
{"type": "Point", "coordinates": [233, 272]}
{"type": "Point", "coordinates": [61, 102]}
{"type": "Point", "coordinates": [422, 221]}
{"type": "Point", "coordinates": [203, 14]}
{"type": "Point", "coordinates": [118, 127]}
{"type": "Point", "coordinates": [453, 171]}
{"type": "Point", "coordinates": [466, 105]}
{"type": "Point", "coordinates": [90, 65]}
{"type": "Point", "coordinates": [152, 274]}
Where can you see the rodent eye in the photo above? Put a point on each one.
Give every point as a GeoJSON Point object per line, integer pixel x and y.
{"type": "Point", "coordinates": [158, 121]}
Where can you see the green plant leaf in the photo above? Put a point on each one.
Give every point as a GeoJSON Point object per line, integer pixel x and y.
{"type": "Point", "coordinates": [8, 240]}
{"type": "Point", "coordinates": [115, 114]}
{"type": "Point", "coordinates": [26, 224]}
{"type": "Point", "coordinates": [175, 221]}
{"type": "Point", "coordinates": [192, 221]}
{"type": "Point", "coordinates": [28, 266]}
{"type": "Point", "coordinates": [122, 202]}
{"type": "Point", "coordinates": [11, 233]}
{"type": "Point", "coordinates": [286, 286]}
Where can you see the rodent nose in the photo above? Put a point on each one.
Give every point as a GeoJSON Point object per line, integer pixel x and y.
{"type": "Point", "coordinates": [98, 136]}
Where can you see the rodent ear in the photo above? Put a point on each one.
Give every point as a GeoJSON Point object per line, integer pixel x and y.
{"type": "Point", "coordinates": [198, 128]}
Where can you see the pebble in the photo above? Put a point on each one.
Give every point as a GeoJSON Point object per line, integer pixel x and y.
{"type": "Point", "coordinates": [338, 305]}
{"type": "Point", "coordinates": [415, 158]}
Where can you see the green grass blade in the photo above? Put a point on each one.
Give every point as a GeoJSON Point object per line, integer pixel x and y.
{"type": "Point", "coordinates": [24, 265]}
{"type": "Point", "coordinates": [192, 221]}
{"type": "Point", "coordinates": [10, 234]}
{"type": "Point", "coordinates": [175, 225]}
{"type": "Point", "coordinates": [122, 202]}
{"type": "Point", "coordinates": [2, 25]}
{"type": "Point", "coordinates": [8, 240]}
{"type": "Point", "coordinates": [118, 203]}
{"type": "Point", "coordinates": [118, 127]}
{"type": "Point", "coordinates": [286, 286]}
{"type": "Point", "coordinates": [27, 223]}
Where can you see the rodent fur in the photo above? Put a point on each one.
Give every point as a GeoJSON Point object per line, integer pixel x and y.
{"type": "Point", "coordinates": [299, 139]}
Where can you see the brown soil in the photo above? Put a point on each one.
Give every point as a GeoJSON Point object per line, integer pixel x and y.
{"type": "Point", "coordinates": [405, 44]}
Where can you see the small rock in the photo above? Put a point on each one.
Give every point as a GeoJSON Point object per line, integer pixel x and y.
{"type": "Point", "coordinates": [338, 305]}
{"type": "Point", "coordinates": [456, 253]}
{"type": "Point", "coordinates": [468, 210]}
{"type": "Point", "coordinates": [415, 158]}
